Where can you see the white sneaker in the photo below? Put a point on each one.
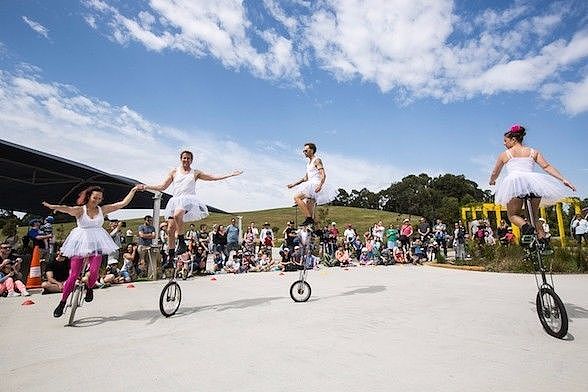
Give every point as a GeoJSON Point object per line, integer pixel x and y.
{"type": "Point", "coordinates": [13, 294]}
{"type": "Point", "coordinates": [25, 293]}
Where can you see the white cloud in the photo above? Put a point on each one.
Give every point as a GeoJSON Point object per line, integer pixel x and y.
{"type": "Point", "coordinates": [575, 97]}
{"type": "Point", "coordinates": [413, 49]}
{"type": "Point", "coordinates": [37, 27]}
{"type": "Point", "coordinates": [59, 120]}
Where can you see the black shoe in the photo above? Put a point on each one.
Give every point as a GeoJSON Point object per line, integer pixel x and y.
{"type": "Point", "coordinates": [527, 229]}
{"type": "Point", "coordinates": [308, 221]}
{"type": "Point", "coordinates": [89, 295]}
{"type": "Point", "coordinates": [58, 312]}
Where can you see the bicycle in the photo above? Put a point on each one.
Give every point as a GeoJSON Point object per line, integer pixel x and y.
{"type": "Point", "coordinates": [171, 295]}
{"type": "Point", "coordinates": [76, 298]}
{"type": "Point", "coordinates": [550, 308]}
{"type": "Point", "coordinates": [300, 290]}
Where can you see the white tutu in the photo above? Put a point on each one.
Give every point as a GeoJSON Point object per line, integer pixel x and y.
{"type": "Point", "coordinates": [87, 241]}
{"type": "Point", "coordinates": [195, 209]}
{"type": "Point", "coordinates": [518, 184]}
{"type": "Point", "coordinates": [325, 196]}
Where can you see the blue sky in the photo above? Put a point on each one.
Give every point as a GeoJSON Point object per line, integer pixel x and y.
{"type": "Point", "coordinates": [384, 87]}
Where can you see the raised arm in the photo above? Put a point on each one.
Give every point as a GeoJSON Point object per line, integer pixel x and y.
{"type": "Point", "coordinates": [541, 161]}
{"type": "Point", "coordinates": [108, 208]}
{"type": "Point", "coordinates": [497, 168]}
{"type": "Point", "coordinates": [75, 211]}
{"type": "Point", "coordinates": [303, 179]}
{"type": "Point", "coordinates": [160, 187]}
{"type": "Point", "coordinates": [199, 175]}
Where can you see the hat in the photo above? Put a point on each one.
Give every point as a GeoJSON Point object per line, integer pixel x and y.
{"type": "Point", "coordinates": [49, 219]}
{"type": "Point", "coordinates": [509, 228]}
{"type": "Point", "coordinates": [265, 223]}
{"type": "Point", "coordinates": [333, 224]}
{"type": "Point", "coordinates": [112, 261]}
{"type": "Point", "coordinates": [296, 247]}
{"type": "Point", "coordinates": [406, 220]}
{"type": "Point", "coordinates": [542, 219]}
{"type": "Point", "coordinates": [364, 249]}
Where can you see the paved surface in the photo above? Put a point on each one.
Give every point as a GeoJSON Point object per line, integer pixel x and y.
{"type": "Point", "coordinates": [403, 328]}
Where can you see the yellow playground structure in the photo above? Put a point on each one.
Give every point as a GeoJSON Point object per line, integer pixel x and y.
{"type": "Point", "coordinates": [485, 209]}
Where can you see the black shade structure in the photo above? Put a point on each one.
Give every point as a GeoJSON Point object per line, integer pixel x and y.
{"type": "Point", "coordinates": [28, 177]}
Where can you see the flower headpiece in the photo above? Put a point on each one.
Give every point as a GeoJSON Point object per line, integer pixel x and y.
{"type": "Point", "coordinates": [516, 129]}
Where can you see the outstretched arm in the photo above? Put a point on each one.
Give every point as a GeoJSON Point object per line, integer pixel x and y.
{"type": "Point", "coordinates": [160, 187]}
{"type": "Point", "coordinates": [552, 170]}
{"type": "Point", "coordinates": [303, 179]}
{"type": "Point", "coordinates": [73, 211]}
{"type": "Point", "coordinates": [121, 204]}
{"type": "Point", "coordinates": [209, 177]}
{"type": "Point", "coordinates": [497, 169]}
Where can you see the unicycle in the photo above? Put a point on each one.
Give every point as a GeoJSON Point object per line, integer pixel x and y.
{"type": "Point", "coordinates": [550, 308]}
{"type": "Point", "coordinates": [300, 290]}
{"type": "Point", "coordinates": [171, 295]}
{"type": "Point", "coordinates": [77, 296]}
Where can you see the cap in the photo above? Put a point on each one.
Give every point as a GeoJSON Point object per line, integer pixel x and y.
{"type": "Point", "coordinates": [265, 223]}
{"type": "Point", "coordinates": [296, 247]}
{"type": "Point", "coordinates": [49, 219]}
{"type": "Point", "coordinates": [406, 220]}
{"type": "Point", "coordinates": [112, 261]}
{"type": "Point", "coordinates": [333, 224]}
{"type": "Point", "coordinates": [541, 219]}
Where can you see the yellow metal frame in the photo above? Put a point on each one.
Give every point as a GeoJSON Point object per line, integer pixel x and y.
{"type": "Point", "coordinates": [485, 208]}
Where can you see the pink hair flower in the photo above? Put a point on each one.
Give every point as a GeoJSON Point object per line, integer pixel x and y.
{"type": "Point", "coordinates": [516, 128]}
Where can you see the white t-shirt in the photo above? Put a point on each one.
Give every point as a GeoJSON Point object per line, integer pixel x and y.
{"type": "Point", "coordinates": [349, 235]}
{"type": "Point", "coordinates": [582, 227]}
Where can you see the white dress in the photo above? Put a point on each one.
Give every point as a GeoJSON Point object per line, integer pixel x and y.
{"type": "Point", "coordinates": [520, 180]}
{"type": "Point", "coordinates": [184, 191]}
{"type": "Point", "coordinates": [307, 188]}
{"type": "Point", "coordinates": [89, 237]}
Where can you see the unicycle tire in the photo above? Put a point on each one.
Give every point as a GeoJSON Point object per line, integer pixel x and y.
{"type": "Point", "coordinates": [300, 291]}
{"type": "Point", "coordinates": [170, 299]}
{"type": "Point", "coordinates": [75, 303]}
{"type": "Point", "coordinates": [552, 313]}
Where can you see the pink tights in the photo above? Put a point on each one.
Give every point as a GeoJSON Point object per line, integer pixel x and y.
{"type": "Point", "coordinates": [77, 262]}
{"type": "Point", "coordinates": [9, 284]}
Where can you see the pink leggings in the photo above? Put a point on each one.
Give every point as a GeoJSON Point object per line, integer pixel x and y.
{"type": "Point", "coordinates": [9, 284]}
{"type": "Point", "coordinates": [77, 262]}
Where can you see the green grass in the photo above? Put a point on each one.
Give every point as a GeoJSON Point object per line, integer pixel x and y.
{"type": "Point", "coordinates": [360, 218]}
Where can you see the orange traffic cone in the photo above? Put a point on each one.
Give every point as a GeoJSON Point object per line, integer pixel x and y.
{"type": "Point", "coordinates": [34, 278]}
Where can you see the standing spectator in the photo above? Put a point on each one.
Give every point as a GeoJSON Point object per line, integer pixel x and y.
{"type": "Point", "coordinates": [117, 236]}
{"type": "Point", "coordinates": [406, 232]}
{"type": "Point", "coordinates": [265, 231]}
{"type": "Point", "coordinates": [350, 234]}
{"type": "Point", "coordinates": [582, 230]}
{"type": "Point", "coordinates": [546, 228]}
{"type": "Point", "coordinates": [474, 227]}
{"type": "Point", "coordinates": [57, 271]}
{"type": "Point", "coordinates": [459, 241]}
{"type": "Point", "coordinates": [129, 236]}
{"type": "Point", "coordinates": [441, 236]}
{"type": "Point", "coordinates": [424, 230]}
{"type": "Point", "coordinates": [203, 237]}
{"type": "Point", "coordinates": [232, 237]}
{"type": "Point", "coordinates": [378, 231]}
{"type": "Point", "coordinates": [256, 237]}
{"type": "Point", "coordinates": [36, 235]}
{"type": "Point", "coordinates": [47, 229]}
{"type": "Point", "coordinates": [333, 234]}
{"type": "Point", "coordinates": [146, 236]}
{"type": "Point", "coordinates": [391, 234]}
{"type": "Point", "coordinates": [211, 246]}
{"type": "Point", "coordinates": [190, 233]}
{"type": "Point", "coordinates": [290, 235]}
{"type": "Point", "coordinates": [501, 231]}
{"type": "Point", "coordinates": [219, 240]}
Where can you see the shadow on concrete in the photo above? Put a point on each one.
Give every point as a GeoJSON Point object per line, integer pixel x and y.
{"type": "Point", "coordinates": [151, 316]}
{"type": "Point", "coordinates": [576, 312]}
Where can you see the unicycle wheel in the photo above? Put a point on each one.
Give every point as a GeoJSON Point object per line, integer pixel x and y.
{"type": "Point", "coordinates": [552, 313]}
{"type": "Point", "coordinates": [300, 291]}
{"type": "Point", "coordinates": [76, 302]}
{"type": "Point", "coordinates": [170, 298]}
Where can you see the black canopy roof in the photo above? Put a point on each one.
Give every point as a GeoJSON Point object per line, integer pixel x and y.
{"type": "Point", "coordinates": [28, 177]}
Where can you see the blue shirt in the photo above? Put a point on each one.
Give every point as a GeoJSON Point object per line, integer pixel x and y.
{"type": "Point", "coordinates": [232, 233]}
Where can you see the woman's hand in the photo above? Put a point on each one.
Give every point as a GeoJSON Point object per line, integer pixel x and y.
{"type": "Point", "coordinates": [492, 182]}
{"type": "Point", "coordinates": [569, 184]}
{"type": "Point", "coordinates": [45, 204]}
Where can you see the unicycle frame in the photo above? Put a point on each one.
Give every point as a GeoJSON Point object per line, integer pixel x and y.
{"type": "Point", "coordinates": [171, 282]}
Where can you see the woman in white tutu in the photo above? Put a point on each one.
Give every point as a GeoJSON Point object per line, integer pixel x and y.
{"type": "Point", "coordinates": [521, 180]}
{"type": "Point", "coordinates": [88, 239]}
{"type": "Point", "coordinates": [314, 191]}
{"type": "Point", "coordinates": [184, 206]}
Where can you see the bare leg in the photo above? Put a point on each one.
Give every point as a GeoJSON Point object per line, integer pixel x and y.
{"type": "Point", "coordinates": [538, 226]}
{"type": "Point", "coordinates": [513, 210]}
{"type": "Point", "coordinates": [311, 204]}
{"type": "Point", "coordinates": [299, 199]}
{"type": "Point", "coordinates": [179, 221]}
{"type": "Point", "coordinates": [171, 233]}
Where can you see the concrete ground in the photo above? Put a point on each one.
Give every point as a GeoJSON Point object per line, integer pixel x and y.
{"type": "Point", "coordinates": [404, 328]}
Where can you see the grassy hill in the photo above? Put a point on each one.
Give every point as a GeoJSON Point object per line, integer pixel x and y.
{"type": "Point", "coordinates": [360, 218]}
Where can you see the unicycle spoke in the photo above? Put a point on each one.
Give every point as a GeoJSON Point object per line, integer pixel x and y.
{"type": "Point", "coordinates": [170, 299]}
{"type": "Point", "coordinates": [552, 313]}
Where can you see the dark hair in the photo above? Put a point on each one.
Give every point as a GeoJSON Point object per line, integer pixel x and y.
{"type": "Point", "coordinates": [187, 152]}
{"type": "Point", "coordinates": [516, 132]}
{"type": "Point", "coordinates": [312, 146]}
{"type": "Point", "coordinates": [147, 217]}
{"type": "Point", "coordinates": [84, 195]}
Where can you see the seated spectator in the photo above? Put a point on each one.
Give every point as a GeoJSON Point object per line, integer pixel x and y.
{"type": "Point", "coordinates": [366, 257]}
{"type": "Point", "coordinates": [131, 259]}
{"type": "Point", "coordinates": [432, 249]}
{"type": "Point", "coordinates": [127, 269]}
{"type": "Point", "coordinates": [112, 273]}
{"type": "Point", "coordinates": [232, 265]}
{"type": "Point", "coordinates": [57, 272]}
{"type": "Point", "coordinates": [264, 263]}
{"type": "Point", "coordinates": [287, 264]}
{"type": "Point", "coordinates": [480, 235]}
{"type": "Point", "coordinates": [8, 281]}
{"type": "Point", "coordinates": [418, 254]}
{"type": "Point", "coordinates": [489, 239]}
{"type": "Point", "coordinates": [342, 256]}
{"type": "Point", "coordinates": [246, 262]}
{"type": "Point", "coordinates": [7, 255]}
{"type": "Point", "coordinates": [509, 237]}
{"type": "Point", "coordinates": [218, 262]}
{"type": "Point", "coordinates": [399, 255]}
